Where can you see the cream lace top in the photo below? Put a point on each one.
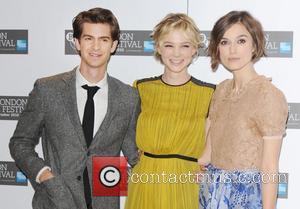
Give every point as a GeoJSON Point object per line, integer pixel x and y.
{"type": "Point", "coordinates": [240, 120]}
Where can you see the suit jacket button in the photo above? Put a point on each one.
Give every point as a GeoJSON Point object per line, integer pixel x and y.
{"type": "Point", "coordinates": [78, 178]}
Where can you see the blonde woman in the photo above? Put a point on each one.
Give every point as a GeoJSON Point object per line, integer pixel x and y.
{"type": "Point", "coordinates": [170, 127]}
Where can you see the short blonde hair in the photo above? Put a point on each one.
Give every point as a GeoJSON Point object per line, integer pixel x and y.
{"type": "Point", "coordinates": [176, 21]}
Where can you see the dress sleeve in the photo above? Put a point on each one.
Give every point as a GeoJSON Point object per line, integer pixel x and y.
{"type": "Point", "coordinates": [272, 112]}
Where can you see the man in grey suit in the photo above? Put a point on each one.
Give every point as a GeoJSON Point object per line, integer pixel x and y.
{"type": "Point", "coordinates": [75, 124]}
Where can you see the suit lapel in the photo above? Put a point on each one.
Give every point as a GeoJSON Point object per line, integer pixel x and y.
{"type": "Point", "coordinates": [70, 100]}
{"type": "Point", "coordinates": [112, 108]}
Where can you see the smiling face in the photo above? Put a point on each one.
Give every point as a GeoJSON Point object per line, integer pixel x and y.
{"type": "Point", "coordinates": [176, 51]}
{"type": "Point", "coordinates": [236, 48]}
{"type": "Point", "coordinates": [95, 45]}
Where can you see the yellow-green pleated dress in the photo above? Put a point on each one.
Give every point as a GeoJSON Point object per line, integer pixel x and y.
{"type": "Point", "coordinates": [172, 121]}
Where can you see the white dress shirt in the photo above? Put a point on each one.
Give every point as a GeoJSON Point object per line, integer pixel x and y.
{"type": "Point", "coordinates": [100, 98]}
{"type": "Point", "coordinates": [100, 101]}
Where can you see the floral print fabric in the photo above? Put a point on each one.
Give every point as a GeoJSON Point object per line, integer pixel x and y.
{"type": "Point", "coordinates": [223, 189]}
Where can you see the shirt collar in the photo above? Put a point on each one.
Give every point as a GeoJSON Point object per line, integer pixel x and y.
{"type": "Point", "coordinates": [80, 80]}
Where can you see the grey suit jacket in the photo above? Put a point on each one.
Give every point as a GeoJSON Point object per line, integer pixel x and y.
{"type": "Point", "coordinates": [51, 113]}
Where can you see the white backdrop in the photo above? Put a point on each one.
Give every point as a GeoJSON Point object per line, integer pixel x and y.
{"type": "Point", "coordinates": [46, 22]}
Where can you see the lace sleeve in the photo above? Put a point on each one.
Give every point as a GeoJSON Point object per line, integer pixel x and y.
{"type": "Point", "coordinates": [272, 112]}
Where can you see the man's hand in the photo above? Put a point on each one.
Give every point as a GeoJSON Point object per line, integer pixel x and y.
{"type": "Point", "coordinates": [46, 175]}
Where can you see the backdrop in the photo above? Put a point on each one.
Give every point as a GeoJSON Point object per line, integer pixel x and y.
{"type": "Point", "coordinates": [36, 41]}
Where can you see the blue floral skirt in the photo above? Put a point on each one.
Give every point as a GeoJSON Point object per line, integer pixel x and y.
{"type": "Point", "coordinates": [222, 189]}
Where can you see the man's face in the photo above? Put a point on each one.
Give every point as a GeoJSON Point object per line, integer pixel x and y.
{"type": "Point", "coordinates": [95, 45]}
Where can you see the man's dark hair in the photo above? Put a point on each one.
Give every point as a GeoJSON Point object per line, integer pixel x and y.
{"type": "Point", "coordinates": [96, 15]}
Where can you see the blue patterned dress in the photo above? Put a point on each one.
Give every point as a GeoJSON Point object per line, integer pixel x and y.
{"type": "Point", "coordinates": [223, 189]}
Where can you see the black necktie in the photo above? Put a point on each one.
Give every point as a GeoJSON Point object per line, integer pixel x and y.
{"type": "Point", "coordinates": [88, 130]}
{"type": "Point", "coordinates": [89, 114]}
